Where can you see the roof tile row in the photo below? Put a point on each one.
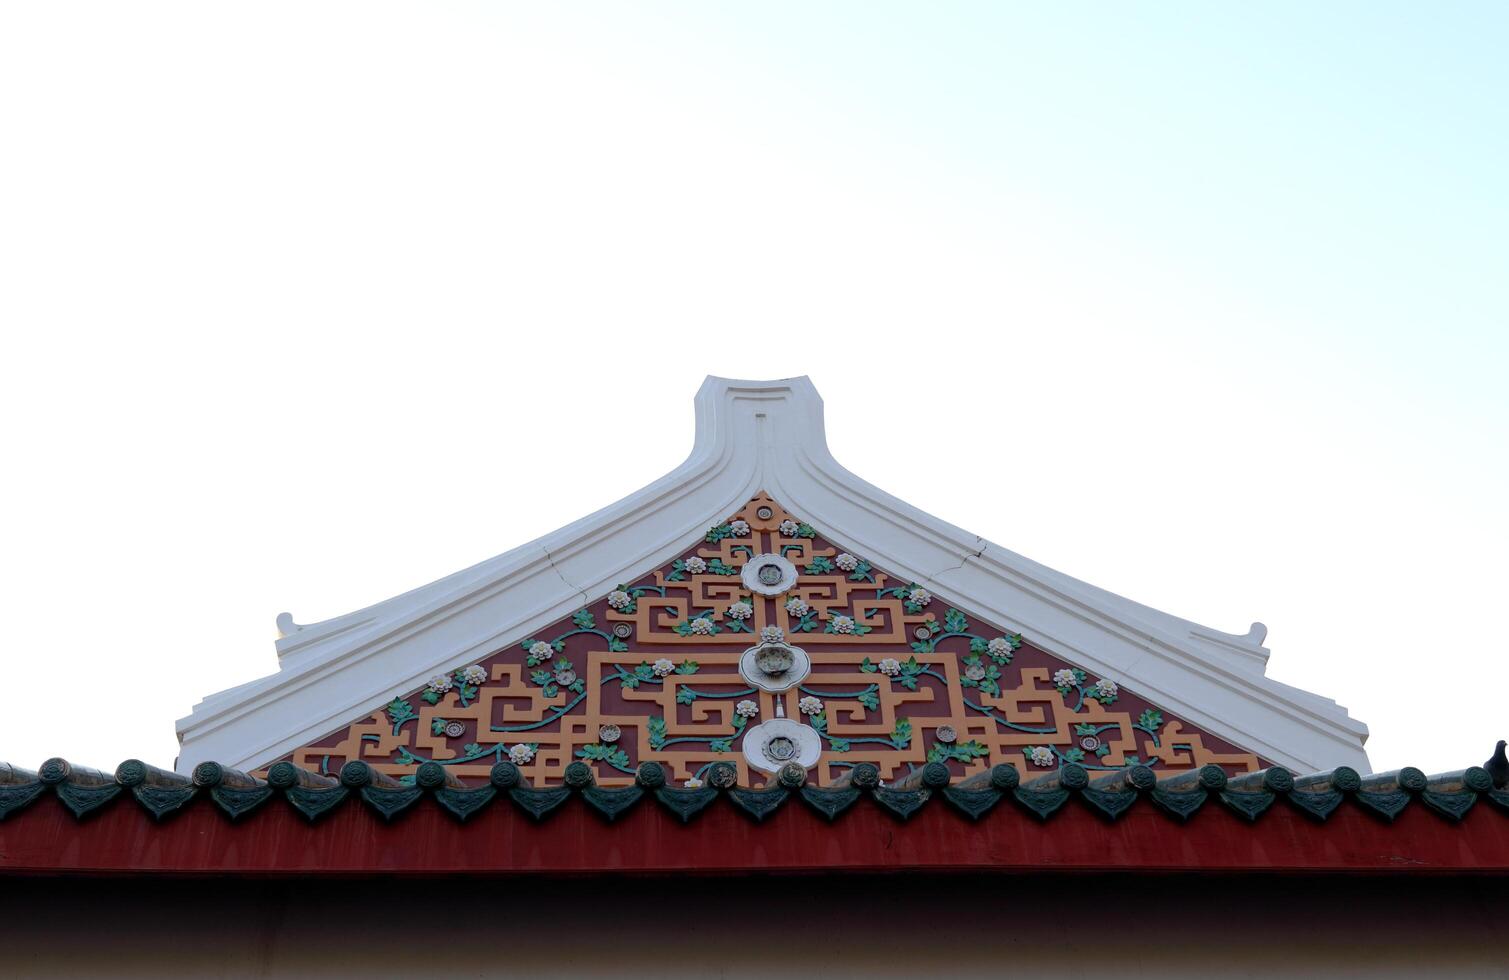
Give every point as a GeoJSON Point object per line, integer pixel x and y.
{"type": "Point", "coordinates": [162, 793]}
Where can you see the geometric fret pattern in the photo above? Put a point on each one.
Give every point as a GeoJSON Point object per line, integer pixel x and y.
{"type": "Point", "coordinates": [900, 677]}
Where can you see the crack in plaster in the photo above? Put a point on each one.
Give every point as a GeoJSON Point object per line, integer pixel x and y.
{"type": "Point", "coordinates": [561, 575]}
{"type": "Point", "coordinates": [980, 550]}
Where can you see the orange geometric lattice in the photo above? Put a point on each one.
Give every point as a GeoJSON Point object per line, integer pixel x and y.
{"type": "Point", "coordinates": [954, 698]}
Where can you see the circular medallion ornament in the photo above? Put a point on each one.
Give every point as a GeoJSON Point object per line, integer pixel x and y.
{"type": "Point", "coordinates": [866, 775]}
{"type": "Point", "coordinates": [1212, 778]}
{"type": "Point", "coordinates": [779, 742]}
{"type": "Point", "coordinates": [578, 775]}
{"type": "Point", "coordinates": [768, 574]}
{"type": "Point", "coordinates": [622, 631]}
{"type": "Point", "coordinates": [935, 775]}
{"type": "Point", "coordinates": [283, 775]}
{"type": "Point", "coordinates": [454, 729]}
{"type": "Point", "coordinates": [764, 513]}
{"type": "Point", "coordinates": [1141, 777]}
{"type": "Point", "coordinates": [505, 775]}
{"type": "Point", "coordinates": [792, 775]}
{"type": "Point", "coordinates": [1346, 779]}
{"type": "Point", "coordinates": [1089, 743]}
{"type": "Point", "coordinates": [430, 775]}
{"type": "Point", "coordinates": [780, 750]}
{"type": "Point", "coordinates": [132, 772]}
{"type": "Point", "coordinates": [608, 734]}
{"type": "Point", "coordinates": [565, 678]}
{"type": "Point", "coordinates": [774, 666]}
{"type": "Point", "coordinates": [1004, 777]}
{"type": "Point", "coordinates": [722, 776]}
{"type": "Point", "coordinates": [650, 775]}
{"type": "Point", "coordinates": [946, 734]}
{"type": "Point", "coordinates": [210, 775]}
{"type": "Point", "coordinates": [356, 774]}
{"type": "Point", "coordinates": [975, 672]}
{"type": "Point", "coordinates": [922, 633]}
{"type": "Point", "coordinates": [774, 659]}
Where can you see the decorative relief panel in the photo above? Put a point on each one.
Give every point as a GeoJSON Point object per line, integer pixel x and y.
{"type": "Point", "coordinates": [893, 675]}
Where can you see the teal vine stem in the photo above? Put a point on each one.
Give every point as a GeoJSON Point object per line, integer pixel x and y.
{"type": "Point", "coordinates": [406, 757]}
{"type": "Point", "coordinates": [1086, 765]}
{"type": "Point", "coordinates": [691, 738]}
{"type": "Point", "coordinates": [933, 641]}
{"type": "Point", "coordinates": [559, 713]}
{"type": "Point", "coordinates": [566, 708]}
{"type": "Point", "coordinates": [579, 631]}
{"type": "Point", "coordinates": [836, 694]}
{"type": "Point", "coordinates": [990, 713]}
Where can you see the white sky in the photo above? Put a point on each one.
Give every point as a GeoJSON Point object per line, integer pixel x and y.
{"type": "Point", "coordinates": [306, 305]}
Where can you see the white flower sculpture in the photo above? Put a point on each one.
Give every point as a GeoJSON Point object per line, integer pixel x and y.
{"type": "Point", "coordinates": [702, 626]}
{"type": "Point", "coordinates": [693, 783]}
{"type": "Point", "coordinates": [1106, 688]}
{"type": "Point", "coordinates": [999, 647]}
{"type": "Point", "coordinates": [1042, 756]}
{"type": "Point", "coordinates": [520, 754]}
{"type": "Point", "coordinates": [740, 528]}
{"type": "Point", "coordinates": [1064, 678]}
{"type": "Point", "coordinates": [662, 667]}
{"type": "Point", "coordinates": [788, 528]}
{"type": "Point", "coordinates": [847, 562]}
{"type": "Point", "coordinates": [619, 599]}
{"type": "Point", "coordinates": [920, 597]}
{"type": "Point", "coordinates": [740, 610]}
{"type": "Point", "coordinates": [475, 674]}
{"type": "Point", "coordinates": [843, 624]}
{"type": "Point", "coordinates": [746, 709]}
{"type": "Point", "coordinates": [440, 683]}
{"type": "Point", "coordinates": [890, 666]}
{"type": "Point", "coordinates": [796, 606]}
{"type": "Point", "coordinates": [810, 705]}
{"type": "Point", "coordinates": [772, 634]}
{"type": "Point", "coordinates": [540, 650]}
{"type": "Point", "coordinates": [695, 565]}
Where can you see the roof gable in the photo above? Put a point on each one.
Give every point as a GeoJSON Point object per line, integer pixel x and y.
{"type": "Point", "coordinates": [753, 436]}
{"type": "Point", "coordinates": [661, 670]}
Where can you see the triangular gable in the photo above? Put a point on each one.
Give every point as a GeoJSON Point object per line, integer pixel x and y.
{"type": "Point", "coordinates": [754, 435]}
{"type": "Point", "coordinates": [651, 672]}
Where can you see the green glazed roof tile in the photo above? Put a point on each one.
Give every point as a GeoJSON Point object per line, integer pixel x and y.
{"type": "Point", "coordinates": [1180, 795]}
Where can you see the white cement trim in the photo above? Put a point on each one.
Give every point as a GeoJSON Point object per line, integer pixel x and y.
{"type": "Point", "coordinates": [751, 436]}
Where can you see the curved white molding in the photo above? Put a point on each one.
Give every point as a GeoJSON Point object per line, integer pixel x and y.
{"type": "Point", "coordinates": [752, 436]}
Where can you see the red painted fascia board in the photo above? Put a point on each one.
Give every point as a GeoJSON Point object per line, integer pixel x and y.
{"type": "Point", "coordinates": [352, 840]}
